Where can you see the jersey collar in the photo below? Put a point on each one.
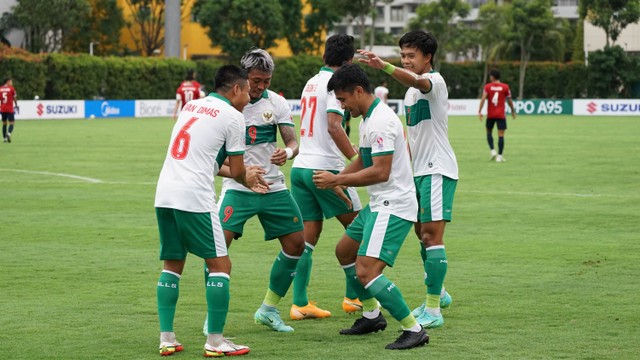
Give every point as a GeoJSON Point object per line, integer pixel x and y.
{"type": "Point", "coordinates": [265, 95]}
{"type": "Point", "coordinates": [371, 108]}
{"type": "Point", "coordinates": [327, 69]}
{"type": "Point", "coordinates": [218, 96]}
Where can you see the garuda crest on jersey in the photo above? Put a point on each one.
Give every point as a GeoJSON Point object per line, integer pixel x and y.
{"type": "Point", "coordinates": [267, 116]}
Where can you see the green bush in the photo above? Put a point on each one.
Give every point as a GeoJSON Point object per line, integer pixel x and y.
{"type": "Point", "coordinates": [61, 76]}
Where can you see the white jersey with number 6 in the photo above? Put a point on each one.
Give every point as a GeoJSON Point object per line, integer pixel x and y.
{"type": "Point", "coordinates": [317, 148]}
{"type": "Point", "coordinates": [205, 128]}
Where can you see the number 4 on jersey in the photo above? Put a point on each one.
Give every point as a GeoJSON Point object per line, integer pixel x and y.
{"type": "Point", "coordinates": [180, 146]}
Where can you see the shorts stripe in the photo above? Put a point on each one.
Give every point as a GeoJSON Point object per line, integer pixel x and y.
{"type": "Point", "coordinates": [436, 196]}
{"type": "Point", "coordinates": [218, 235]}
{"type": "Point", "coordinates": [355, 199]}
{"type": "Point", "coordinates": [377, 235]}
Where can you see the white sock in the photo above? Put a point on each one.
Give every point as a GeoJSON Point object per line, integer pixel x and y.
{"type": "Point", "coordinates": [371, 314]}
{"type": "Point", "coordinates": [414, 328]}
{"type": "Point", "coordinates": [434, 312]}
{"type": "Point", "coordinates": [214, 340]}
{"type": "Point", "coordinates": [168, 336]}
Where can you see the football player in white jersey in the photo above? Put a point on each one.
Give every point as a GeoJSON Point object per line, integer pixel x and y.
{"type": "Point", "coordinates": [372, 241]}
{"type": "Point", "coordinates": [266, 114]}
{"type": "Point", "coordinates": [186, 209]}
{"type": "Point", "coordinates": [323, 146]}
{"type": "Point", "coordinates": [435, 168]}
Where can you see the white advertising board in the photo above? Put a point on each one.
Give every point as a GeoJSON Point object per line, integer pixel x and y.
{"type": "Point", "coordinates": [619, 107]}
{"type": "Point", "coordinates": [50, 109]}
{"type": "Point", "coordinates": [154, 108]}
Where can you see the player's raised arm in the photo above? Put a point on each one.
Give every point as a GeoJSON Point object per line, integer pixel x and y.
{"type": "Point", "coordinates": [405, 77]}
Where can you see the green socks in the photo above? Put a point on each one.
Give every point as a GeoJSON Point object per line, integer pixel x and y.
{"type": "Point", "coordinates": [282, 273]}
{"type": "Point", "coordinates": [389, 296]}
{"type": "Point", "coordinates": [303, 274]}
{"type": "Point", "coordinates": [217, 301]}
{"type": "Point", "coordinates": [361, 293]}
{"type": "Point", "coordinates": [435, 268]}
{"type": "Point", "coordinates": [167, 294]}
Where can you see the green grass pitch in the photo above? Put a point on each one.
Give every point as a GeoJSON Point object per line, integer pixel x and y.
{"type": "Point", "coordinates": [543, 250]}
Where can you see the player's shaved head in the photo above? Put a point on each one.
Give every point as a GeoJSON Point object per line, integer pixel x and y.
{"type": "Point", "coordinates": [339, 50]}
{"type": "Point", "coordinates": [227, 76]}
{"type": "Point", "coordinates": [257, 59]}
{"type": "Point", "coordinates": [347, 78]}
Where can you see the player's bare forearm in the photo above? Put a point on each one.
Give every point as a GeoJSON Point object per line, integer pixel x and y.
{"type": "Point", "coordinates": [513, 109]}
{"type": "Point", "coordinates": [480, 107]}
{"type": "Point", "coordinates": [339, 136]}
{"type": "Point", "coordinates": [369, 176]}
{"type": "Point", "coordinates": [280, 156]}
{"type": "Point", "coordinates": [355, 166]}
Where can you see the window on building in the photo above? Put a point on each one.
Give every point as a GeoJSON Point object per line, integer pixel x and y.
{"type": "Point", "coordinates": [397, 13]}
{"type": "Point", "coordinates": [380, 12]}
{"type": "Point", "coordinates": [397, 30]}
{"type": "Point", "coordinates": [340, 29]}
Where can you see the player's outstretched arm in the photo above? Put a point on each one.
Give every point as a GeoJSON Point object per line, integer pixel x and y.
{"type": "Point", "coordinates": [405, 77]}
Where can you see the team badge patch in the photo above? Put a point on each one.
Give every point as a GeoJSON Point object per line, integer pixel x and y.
{"type": "Point", "coordinates": [380, 142]}
{"type": "Point", "coordinates": [267, 116]}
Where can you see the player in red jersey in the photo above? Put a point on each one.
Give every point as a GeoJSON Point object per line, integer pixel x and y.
{"type": "Point", "coordinates": [8, 107]}
{"type": "Point", "coordinates": [497, 93]}
{"type": "Point", "coordinates": [188, 90]}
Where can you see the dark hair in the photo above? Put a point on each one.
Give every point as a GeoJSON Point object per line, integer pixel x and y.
{"type": "Point", "coordinates": [347, 77]}
{"type": "Point", "coordinates": [227, 76]}
{"type": "Point", "coordinates": [495, 73]}
{"type": "Point", "coordinates": [421, 40]}
{"type": "Point", "coordinates": [191, 74]}
{"type": "Point", "coordinates": [6, 79]}
{"type": "Point", "coordinates": [338, 50]}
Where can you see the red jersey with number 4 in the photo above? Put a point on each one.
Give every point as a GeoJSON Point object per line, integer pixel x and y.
{"type": "Point", "coordinates": [7, 98]}
{"type": "Point", "coordinates": [497, 94]}
{"type": "Point", "coordinates": [187, 91]}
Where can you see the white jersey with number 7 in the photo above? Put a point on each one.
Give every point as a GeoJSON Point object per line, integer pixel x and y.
{"type": "Point", "coordinates": [205, 129]}
{"type": "Point", "coordinates": [317, 148]}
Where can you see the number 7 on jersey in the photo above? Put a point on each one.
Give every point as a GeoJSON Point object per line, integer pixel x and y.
{"type": "Point", "coordinates": [311, 102]}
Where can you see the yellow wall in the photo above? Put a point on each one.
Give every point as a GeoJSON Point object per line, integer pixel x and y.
{"type": "Point", "coordinates": [193, 37]}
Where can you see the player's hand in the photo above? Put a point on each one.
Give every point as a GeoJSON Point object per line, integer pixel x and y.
{"type": "Point", "coordinates": [324, 179]}
{"type": "Point", "coordinates": [339, 190]}
{"type": "Point", "coordinates": [513, 115]}
{"type": "Point", "coordinates": [279, 157]}
{"type": "Point", "coordinates": [480, 116]}
{"type": "Point", "coordinates": [18, 109]}
{"type": "Point", "coordinates": [255, 181]}
{"type": "Point", "coordinates": [371, 59]}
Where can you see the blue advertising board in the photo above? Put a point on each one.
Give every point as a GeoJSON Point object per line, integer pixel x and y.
{"type": "Point", "coordinates": [109, 108]}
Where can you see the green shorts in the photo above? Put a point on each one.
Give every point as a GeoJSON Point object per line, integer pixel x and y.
{"type": "Point", "coordinates": [380, 234]}
{"type": "Point", "coordinates": [435, 197]}
{"type": "Point", "coordinates": [319, 204]}
{"type": "Point", "coordinates": [183, 231]}
{"type": "Point", "coordinates": [278, 212]}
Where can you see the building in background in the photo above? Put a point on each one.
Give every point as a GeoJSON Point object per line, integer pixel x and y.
{"type": "Point", "coordinates": [393, 17]}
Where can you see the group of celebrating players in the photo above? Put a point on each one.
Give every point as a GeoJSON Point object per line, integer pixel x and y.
{"type": "Point", "coordinates": [233, 133]}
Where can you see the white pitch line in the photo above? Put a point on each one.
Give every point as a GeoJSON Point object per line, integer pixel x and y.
{"type": "Point", "coordinates": [544, 194]}
{"type": "Point", "coordinates": [71, 176]}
